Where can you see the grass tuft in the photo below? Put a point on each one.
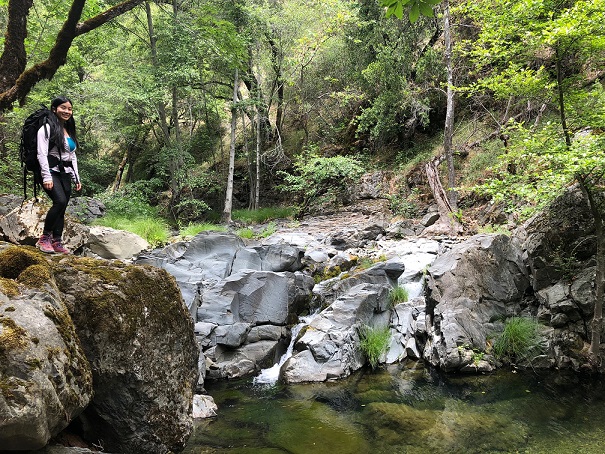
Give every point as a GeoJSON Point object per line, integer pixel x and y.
{"type": "Point", "coordinates": [519, 339]}
{"type": "Point", "coordinates": [398, 295]}
{"type": "Point", "coordinates": [262, 214]}
{"type": "Point", "coordinates": [374, 342]}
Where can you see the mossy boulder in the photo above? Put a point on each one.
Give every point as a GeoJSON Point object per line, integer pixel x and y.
{"type": "Point", "coordinates": [139, 338]}
{"type": "Point", "coordinates": [45, 379]}
{"type": "Point", "coordinates": [70, 324]}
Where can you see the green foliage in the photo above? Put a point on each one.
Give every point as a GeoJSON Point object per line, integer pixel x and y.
{"type": "Point", "coordinates": [266, 231]}
{"type": "Point", "coordinates": [403, 206]}
{"type": "Point", "coordinates": [519, 340]}
{"type": "Point", "coordinates": [194, 229]}
{"type": "Point", "coordinates": [327, 273]}
{"type": "Point", "coordinates": [479, 164]}
{"type": "Point", "coordinates": [417, 7]}
{"type": "Point", "coordinates": [374, 342]}
{"type": "Point", "coordinates": [494, 229]}
{"type": "Point", "coordinates": [262, 214]}
{"type": "Point", "coordinates": [398, 295]}
{"type": "Point", "coordinates": [133, 200]}
{"type": "Point", "coordinates": [539, 166]}
{"type": "Point", "coordinates": [321, 181]}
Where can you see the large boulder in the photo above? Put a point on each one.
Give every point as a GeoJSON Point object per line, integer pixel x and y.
{"type": "Point", "coordinates": [329, 346]}
{"type": "Point", "coordinates": [45, 379]}
{"type": "Point", "coordinates": [241, 320]}
{"type": "Point", "coordinates": [139, 339]}
{"type": "Point", "coordinates": [556, 237]}
{"type": "Point", "coordinates": [470, 289]}
{"type": "Point", "coordinates": [108, 243]}
{"type": "Point", "coordinates": [24, 224]}
{"type": "Point", "coordinates": [123, 326]}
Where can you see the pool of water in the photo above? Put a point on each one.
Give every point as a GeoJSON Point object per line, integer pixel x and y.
{"type": "Point", "coordinates": [407, 409]}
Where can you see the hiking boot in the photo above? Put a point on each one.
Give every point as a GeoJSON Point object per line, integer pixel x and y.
{"type": "Point", "coordinates": [57, 246]}
{"type": "Point", "coordinates": [45, 244]}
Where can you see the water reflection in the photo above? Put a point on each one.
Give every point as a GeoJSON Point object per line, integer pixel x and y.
{"type": "Point", "coordinates": [407, 409]}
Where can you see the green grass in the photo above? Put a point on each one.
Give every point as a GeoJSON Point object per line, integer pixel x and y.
{"type": "Point", "coordinates": [245, 233]}
{"type": "Point", "coordinates": [398, 295]}
{"type": "Point", "coordinates": [494, 229]}
{"type": "Point", "coordinates": [154, 230]}
{"type": "Point", "coordinates": [374, 342]}
{"type": "Point", "coordinates": [519, 339]}
{"type": "Point", "coordinates": [262, 214]}
{"type": "Point", "coordinates": [194, 229]}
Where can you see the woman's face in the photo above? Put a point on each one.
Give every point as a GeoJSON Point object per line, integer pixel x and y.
{"type": "Point", "coordinates": [64, 111]}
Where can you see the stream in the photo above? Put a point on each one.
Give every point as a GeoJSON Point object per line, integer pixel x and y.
{"type": "Point", "coordinates": [407, 408]}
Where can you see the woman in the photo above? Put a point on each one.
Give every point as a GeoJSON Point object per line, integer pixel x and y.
{"type": "Point", "coordinates": [57, 144]}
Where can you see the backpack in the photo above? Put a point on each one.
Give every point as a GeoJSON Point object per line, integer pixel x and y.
{"type": "Point", "coordinates": [28, 148]}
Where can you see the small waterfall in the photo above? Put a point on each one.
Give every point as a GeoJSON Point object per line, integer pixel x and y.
{"type": "Point", "coordinates": [271, 375]}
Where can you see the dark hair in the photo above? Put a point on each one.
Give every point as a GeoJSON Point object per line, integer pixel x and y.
{"type": "Point", "coordinates": [57, 136]}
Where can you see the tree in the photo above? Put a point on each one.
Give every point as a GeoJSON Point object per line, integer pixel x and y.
{"type": "Point", "coordinates": [548, 51]}
{"type": "Point", "coordinates": [16, 79]}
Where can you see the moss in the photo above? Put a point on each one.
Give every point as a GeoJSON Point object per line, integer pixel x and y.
{"type": "Point", "coordinates": [100, 269]}
{"type": "Point", "coordinates": [10, 309]}
{"type": "Point", "coordinates": [34, 363]}
{"type": "Point", "coordinates": [12, 336]}
{"type": "Point", "coordinates": [14, 260]}
{"type": "Point", "coordinates": [35, 276]}
{"type": "Point", "coordinates": [8, 287]}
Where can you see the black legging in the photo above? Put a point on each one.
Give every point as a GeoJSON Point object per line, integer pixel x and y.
{"type": "Point", "coordinates": [59, 194]}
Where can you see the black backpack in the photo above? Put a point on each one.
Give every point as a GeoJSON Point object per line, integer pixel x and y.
{"type": "Point", "coordinates": [28, 149]}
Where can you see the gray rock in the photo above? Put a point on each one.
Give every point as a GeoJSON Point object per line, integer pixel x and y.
{"type": "Point", "coordinates": [109, 243]}
{"type": "Point", "coordinates": [329, 348]}
{"type": "Point", "coordinates": [256, 297]}
{"type": "Point", "coordinates": [46, 379]}
{"type": "Point", "coordinates": [24, 225]}
{"type": "Point", "coordinates": [231, 335]}
{"type": "Point", "coordinates": [469, 286]}
{"type": "Point", "coordinates": [139, 339]}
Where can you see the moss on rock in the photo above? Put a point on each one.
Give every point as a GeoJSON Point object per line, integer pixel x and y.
{"type": "Point", "coordinates": [12, 336]}
{"type": "Point", "coordinates": [14, 260]}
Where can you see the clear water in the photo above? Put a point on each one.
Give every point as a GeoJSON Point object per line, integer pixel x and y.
{"type": "Point", "coordinates": [407, 409]}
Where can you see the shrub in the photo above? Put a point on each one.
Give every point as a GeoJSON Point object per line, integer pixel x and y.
{"type": "Point", "coordinates": [519, 339]}
{"type": "Point", "coordinates": [398, 295]}
{"type": "Point", "coordinates": [321, 182]}
{"type": "Point", "coordinates": [374, 342]}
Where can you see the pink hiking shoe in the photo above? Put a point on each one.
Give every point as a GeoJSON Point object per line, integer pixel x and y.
{"type": "Point", "coordinates": [57, 246]}
{"type": "Point", "coordinates": [45, 244]}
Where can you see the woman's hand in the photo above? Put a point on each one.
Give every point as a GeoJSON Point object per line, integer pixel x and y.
{"type": "Point", "coordinates": [48, 184]}
{"type": "Point", "coordinates": [78, 186]}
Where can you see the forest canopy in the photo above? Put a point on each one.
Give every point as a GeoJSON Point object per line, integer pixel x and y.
{"type": "Point", "coordinates": [179, 102]}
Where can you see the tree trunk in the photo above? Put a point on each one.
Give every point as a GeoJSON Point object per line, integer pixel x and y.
{"type": "Point", "coordinates": [597, 319]}
{"type": "Point", "coordinates": [258, 147]}
{"type": "Point", "coordinates": [154, 59]}
{"type": "Point", "coordinates": [561, 99]}
{"type": "Point", "coordinates": [226, 218]}
{"type": "Point", "coordinates": [449, 115]}
{"type": "Point", "coordinates": [447, 217]}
